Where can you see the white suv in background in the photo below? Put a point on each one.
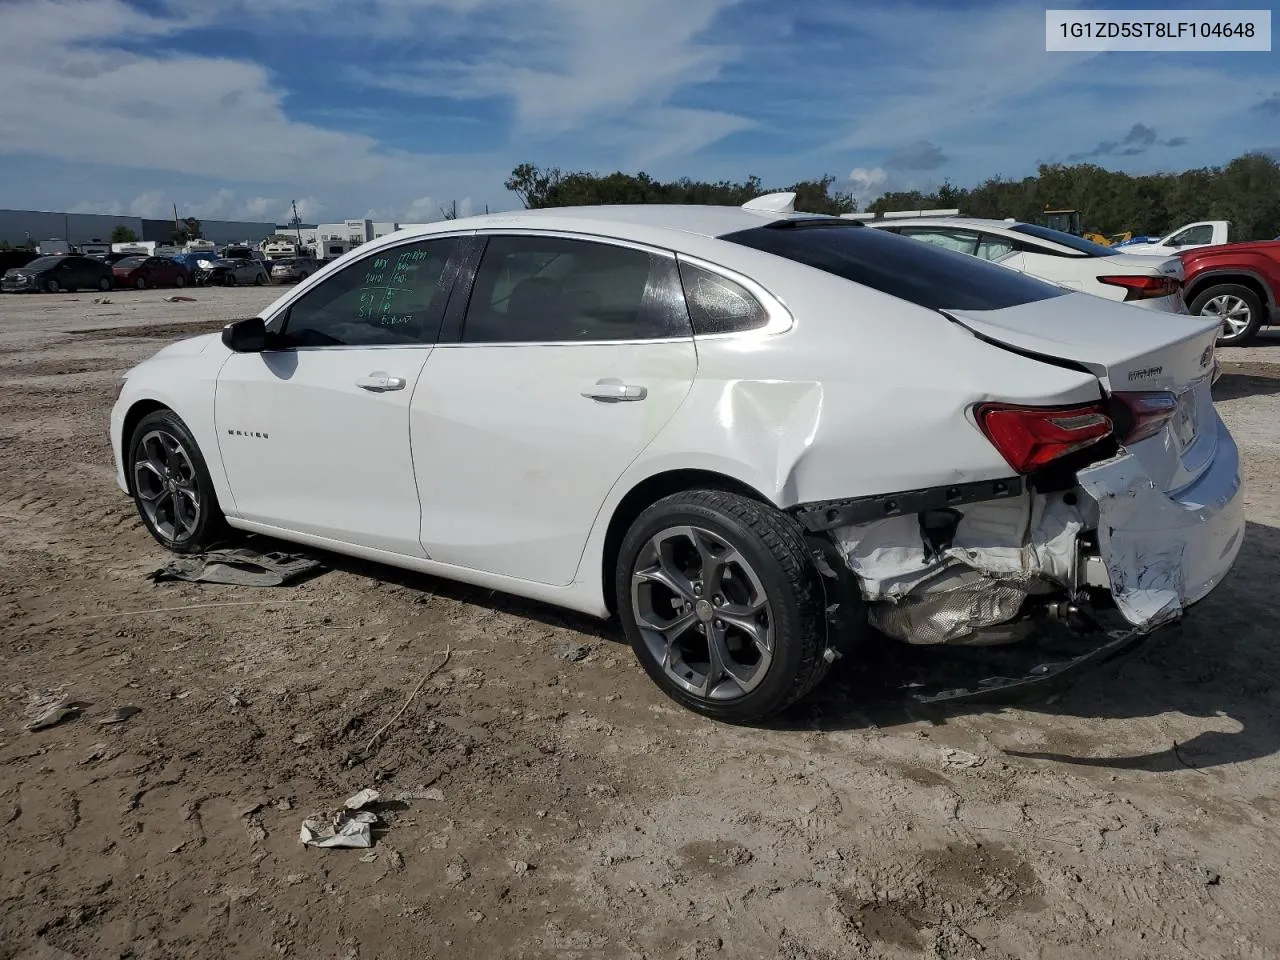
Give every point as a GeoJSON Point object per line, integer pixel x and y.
{"type": "Point", "coordinates": [1060, 258]}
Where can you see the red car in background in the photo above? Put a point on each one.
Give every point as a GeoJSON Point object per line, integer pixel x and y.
{"type": "Point", "coordinates": [143, 272]}
{"type": "Point", "coordinates": [1237, 282]}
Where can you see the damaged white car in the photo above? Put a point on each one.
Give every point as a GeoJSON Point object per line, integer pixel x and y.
{"type": "Point", "coordinates": [751, 434]}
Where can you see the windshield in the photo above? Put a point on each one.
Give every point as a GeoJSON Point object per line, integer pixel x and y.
{"type": "Point", "coordinates": [920, 273]}
{"type": "Point", "coordinates": [1065, 239]}
{"type": "Point", "coordinates": [129, 263]}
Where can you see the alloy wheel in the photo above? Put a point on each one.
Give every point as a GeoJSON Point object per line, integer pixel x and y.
{"type": "Point", "coordinates": [703, 613]}
{"type": "Point", "coordinates": [1231, 311]}
{"type": "Point", "coordinates": [167, 486]}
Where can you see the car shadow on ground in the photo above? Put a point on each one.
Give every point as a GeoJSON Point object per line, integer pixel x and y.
{"type": "Point", "coordinates": [1222, 663]}
{"type": "Point", "coordinates": [1240, 380]}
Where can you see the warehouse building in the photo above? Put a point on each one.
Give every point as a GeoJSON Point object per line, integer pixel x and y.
{"type": "Point", "coordinates": [19, 226]}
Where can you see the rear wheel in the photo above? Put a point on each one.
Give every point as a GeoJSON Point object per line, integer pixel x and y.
{"type": "Point", "coordinates": [170, 484]}
{"type": "Point", "coordinates": [1238, 308]}
{"type": "Point", "coordinates": [104, 284]}
{"type": "Point", "coordinates": [719, 600]}
{"type": "Point", "coordinates": [259, 280]}
{"type": "Point", "coordinates": [141, 283]}
{"type": "Point", "coordinates": [179, 281]}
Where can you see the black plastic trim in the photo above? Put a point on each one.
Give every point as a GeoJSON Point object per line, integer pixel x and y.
{"type": "Point", "coordinates": [828, 514]}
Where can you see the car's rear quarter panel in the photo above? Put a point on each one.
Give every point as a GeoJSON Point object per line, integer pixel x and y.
{"type": "Point", "coordinates": [866, 394]}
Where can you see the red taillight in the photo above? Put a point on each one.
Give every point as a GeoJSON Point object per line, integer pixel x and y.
{"type": "Point", "coordinates": [1030, 437]}
{"type": "Point", "coordinates": [1147, 413]}
{"type": "Point", "coordinates": [1144, 288]}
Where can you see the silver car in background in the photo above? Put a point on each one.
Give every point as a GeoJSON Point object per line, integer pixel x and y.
{"type": "Point", "coordinates": [229, 272]}
{"type": "Point", "coordinates": [293, 269]}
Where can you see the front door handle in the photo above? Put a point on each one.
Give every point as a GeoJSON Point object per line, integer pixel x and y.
{"type": "Point", "coordinates": [380, 383]}
{"type": "Point", "coordinates": [614, 391]}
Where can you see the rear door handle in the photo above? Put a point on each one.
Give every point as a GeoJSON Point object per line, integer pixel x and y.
{"type": "Point", "coordinates": [380, 383]}
{"type": "Point", "coordinates": [614, 391]}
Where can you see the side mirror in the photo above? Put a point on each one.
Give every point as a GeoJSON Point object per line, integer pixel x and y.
{"type": "Point", "coordinates": [246, 336]}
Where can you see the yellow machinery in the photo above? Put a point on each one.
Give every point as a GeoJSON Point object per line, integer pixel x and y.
{"type": "Point", "coordinates": [1068, 221]}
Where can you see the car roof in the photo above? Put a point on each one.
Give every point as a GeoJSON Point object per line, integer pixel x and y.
{"type": "Point", "coordinates": [620, 219]}
{"type": "Point", "coordinates": [975, 222]}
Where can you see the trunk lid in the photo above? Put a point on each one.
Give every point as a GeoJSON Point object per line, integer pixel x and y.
{"type": "Point", "coordinates": [1156, 266]}
{"type": "Point", "coordinates": [1128, 350]}
{"type": "Point", "coordinates": [1125, 347]}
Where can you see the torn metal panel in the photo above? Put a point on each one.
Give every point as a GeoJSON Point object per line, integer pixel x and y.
{"type": "Point", "coordinates": [1164, 552]}
{"type": "Point", "coordinates": [941, 576]}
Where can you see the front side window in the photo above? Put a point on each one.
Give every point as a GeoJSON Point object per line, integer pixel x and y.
{"type": "Point", "coordinates": [556, 290]}
{"type": "Point", "coordinates": [392, 297]}
{"type": "Point", "coordinates": [991, 247]}
{"type": "Point", "coordinates": [1193, 236]}
{"type": "Point", "coordinates": [961, 241]}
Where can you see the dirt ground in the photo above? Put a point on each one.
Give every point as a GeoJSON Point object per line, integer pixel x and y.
{"type": "Point", "coordinates": [558, 805]}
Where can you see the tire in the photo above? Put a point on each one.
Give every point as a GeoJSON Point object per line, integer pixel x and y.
{"type": "Point", "coordinates": [229, 280]}
{"type": "Point", "coordinates": [258, 280]}
{"type": "Point", "coordinates": [773, 565]}
{"type": "Point", "coordinates": [1231, 300]}
{"type": "Point", "coordinates": [52, 286]}
{"type": "Point", "coordinates": [198, 523]}
{"type": "Point", "coordinates": [179, 281]}
{"type": "Point", "coordinates": [141, 283]}
{"type": "Point", "coordinates": [104, 284]}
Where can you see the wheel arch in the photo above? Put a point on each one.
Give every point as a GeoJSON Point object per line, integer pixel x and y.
{"type": "Point", "coordinates": [132, 417]}
{"type": "Point", "coordinates": [1239, 276]}
{"type": "Point", "coordinates": [649, 491]}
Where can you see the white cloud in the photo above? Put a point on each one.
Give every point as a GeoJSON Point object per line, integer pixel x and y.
{"type": "Point", "coordinates": [84, 101]}
{"type": "Point", "coordinates": [568, 65]}
{"type": "Point", "coordinates": [422, 210]}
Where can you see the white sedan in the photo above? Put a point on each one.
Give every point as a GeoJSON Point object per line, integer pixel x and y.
{"type": "Point", "coordinates": [1061, 258]}
{"type": "Point", "coordinates": [759, 438]}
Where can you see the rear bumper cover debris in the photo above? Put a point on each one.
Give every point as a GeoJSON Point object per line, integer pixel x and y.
{"type": "Point", "coordinates": [949, 575]}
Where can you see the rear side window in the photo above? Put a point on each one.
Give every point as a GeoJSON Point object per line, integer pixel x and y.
{"type": "Point", "coordinates": [920, 273]}
{"type": "Point", "coordinates": [718, 304]}
{"type": "Point", "coordinates": [1070, 240]}
{"type": "Point", "coordinates": [542, 289]}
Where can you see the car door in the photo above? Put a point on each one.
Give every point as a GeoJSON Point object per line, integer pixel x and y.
{"type": "Point", "coordinates": [565, 361]}
{"type": "Point", "coordinates": [314, 432]}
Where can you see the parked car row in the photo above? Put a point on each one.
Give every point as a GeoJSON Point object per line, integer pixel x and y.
{"type": "Point", "coordinates": [68, 273]}
{"type": "Point", "coordinates": [1238, 283]}
{"type": "Point", "coordinates": [763, 440]}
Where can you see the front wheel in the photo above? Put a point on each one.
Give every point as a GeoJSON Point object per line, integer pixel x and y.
{"type": "Point", "coordinates": [719, 599]}
{"type": "Point", "coordinates": [259, 280]}
{"type": "Point", "coordinates": [1238, 308]}
{"type": "Point", "coordinates": [179, 281]}
{"type": "Point", "coordinates": [52, 286]}
{"type": "Point", "coordinates": [141, 283]}
{"type": "Point", "coordinates": [170, 484]}
{"type": "Point", "coordinates": [104, 284]}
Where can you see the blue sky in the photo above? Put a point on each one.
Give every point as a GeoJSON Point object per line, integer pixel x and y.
{"type": "Point", "coordinates": [392, 108]}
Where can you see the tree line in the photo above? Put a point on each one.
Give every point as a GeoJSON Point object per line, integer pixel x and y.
{"type": "Point", "coordinates": [1245, 191]}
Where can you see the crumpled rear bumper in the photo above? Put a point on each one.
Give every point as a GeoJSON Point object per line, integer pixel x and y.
{"type": "Point", "coordinates": [1163, 552]}
{"type": "Point", "coordinates": [967, 575]}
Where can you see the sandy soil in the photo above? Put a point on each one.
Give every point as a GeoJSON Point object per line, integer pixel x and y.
{"type": "Point", "coordinates": [1134, 816]}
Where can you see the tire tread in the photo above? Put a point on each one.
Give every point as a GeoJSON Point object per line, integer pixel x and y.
{"type": "Point", "coordinates": [784, 540]}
